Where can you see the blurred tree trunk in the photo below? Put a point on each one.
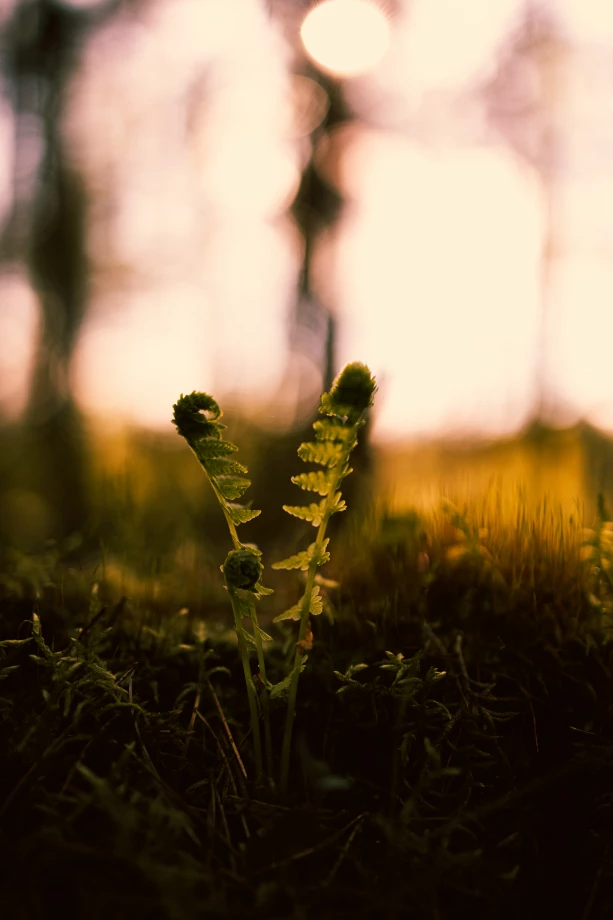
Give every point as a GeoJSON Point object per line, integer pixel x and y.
{"type": "Point", "coordinates": [47, 232]}
{"type": "Point", "coordinates": [313, 333]}
{"type": "Point", "coordinates": [524, 103]}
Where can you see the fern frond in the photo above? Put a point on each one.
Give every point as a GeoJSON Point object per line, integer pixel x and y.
{"type": "Point", "coordinates": [326, 453]}
{"type": "Point", "coordinates": [335, 437]}
{"type": "Point", "coordinates": [351, 394]}
{"type": "Point", "coordinates": [316, 481]}
{"type": "Point", "coordinates": [281, 690]}
{"type": "Point", "coordinates": [297, 561]}
{"type": "Point", "coordinates": [220, 467]}
{"type": "Point", "coordinates": [232, 487]}
{"type": "Point", "coordinates": [339, 503]}
{"type": "Point", "coordinates": [312, 513]}
{"type": "Point", "coordinates": [196, 418]}
{"type": "Point", "coordinates": [332, 429]}
{"type": "Point", "coordinates": [238, 514]}
{"type": "Point", "coordinates": [303, 560]}
{"type": "Point", "coordinates": [247, 637]}
{"type": "Point", "coordinates": [295, 612]}
{"type": "Point", "coordinates": [263, 635]}
{"type": "Point", "coordinates": [214, 449]}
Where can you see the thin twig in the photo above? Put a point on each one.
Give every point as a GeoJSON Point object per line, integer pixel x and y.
{"type": "Point", "coordinates": [211, 815]}
{"type": "Point", "coordinates": [226, 766]}
{"type": "Point", "coordinates": [343, 853]}
{"type": "Point", "coordinates": [302, 854]}
{"type": "Point", "coordinates": [460, 654]}
{"type": "Point", "coordinates": [227, 729]}
{"type": "Point", "coordinates": [462, 694]}
{"type": "Point", "coordinates": [192, 722]}
{"type": "Point", "coordinates": [226, 828]}
{"type": "Point", "coordinates": [85, 629]}
{"type": "Point", "coordinates": [267, 806]}
{"type": "Point", "coordinates": [219, 744]}
{"type": "Point", "coordinates": [435, 639]}
{"type": "Point", "coordinates": [226, 763]}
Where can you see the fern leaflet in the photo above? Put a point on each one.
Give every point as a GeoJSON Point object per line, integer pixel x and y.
{"type": "Point", "coordinates": [196, 418]}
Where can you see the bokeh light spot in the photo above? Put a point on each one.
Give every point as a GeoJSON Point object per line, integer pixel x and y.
{"type": "Point", "coordinates": [346, 37]}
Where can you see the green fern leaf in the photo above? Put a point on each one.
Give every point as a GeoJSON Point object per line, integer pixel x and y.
{"type": "Point", "coordinates": [295, 612]}
{"type": "Point", "coordinates": [317, 603]}
{"type": "Point", "coordinates": [328, 429]}
{"type": "Point", "coordinates": [213, 448]}
{"type": "Point", "coordinates": [351, 394]}
{"type": "Point", "coordinates": [303, 560]}
{"type": "Point", "coordinates": [219, 467]}
{"type": "Point", "coordinates": [326, 453]}
{"type": "Point", "coordinates": [316, 481]}
{"type": "Point", "coordinates": [196, 419]}
{"type": "Point", "coordinates": [339, 503]}
{"type": "Point", "coordinates": [280, 691]}
{"type": "Point", "coordinates": [298, 561]}
{"type": "Point", "coordinates": [335, 437]}
{"type": "Point", "coordinates": [319, 557]}
{"type": "Point", "coordinates": [263, 635]}
{"type": "Point", "coordinates": [232, 486]}
{"type": "Point", "coordinates": [248, 637]}
{"type": "Point", "coordinates": [239, 514]}
{"type": "Point", "coordinates": [312, 513]}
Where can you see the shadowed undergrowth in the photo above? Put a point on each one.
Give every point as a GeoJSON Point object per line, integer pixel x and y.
{"type": "Point", "coordinates": [454, 735]}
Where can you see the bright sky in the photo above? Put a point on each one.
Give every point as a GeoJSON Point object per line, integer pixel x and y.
{"type": "Point", "coordinates": [182, 123]}
{"type": "Point", "coordinates": [443, 305]}
{"type": "Point", "coordinates": [346, 37]}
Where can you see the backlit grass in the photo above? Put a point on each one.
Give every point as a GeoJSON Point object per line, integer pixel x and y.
{"type": "Point", "coordinates": [462, 770]}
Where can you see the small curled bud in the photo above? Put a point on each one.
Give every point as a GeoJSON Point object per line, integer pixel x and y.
{"type": "Point", "coordinates": [190, 421]}
{"type": "Point", "coordinates": [354, 387]}
{"type": "Point", "coordinates": [351, 394]}
{"type": "Point", "coordinates": [242, 569]}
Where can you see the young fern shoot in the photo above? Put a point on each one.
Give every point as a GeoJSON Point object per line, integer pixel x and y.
{"type": "Point", "coordinates": [196, 418]}
{"type": "Point", "coordinates": [336, 435]}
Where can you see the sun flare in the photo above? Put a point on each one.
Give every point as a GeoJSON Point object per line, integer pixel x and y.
{"type": "Point", "coordinates": [346, 37]}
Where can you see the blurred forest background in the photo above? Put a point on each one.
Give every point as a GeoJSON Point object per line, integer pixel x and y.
{"type": "Point", "coordinates": [240, 196]}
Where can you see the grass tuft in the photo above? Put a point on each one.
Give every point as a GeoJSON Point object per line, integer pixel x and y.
{"type": "Point", "coordinates": [453, 738]}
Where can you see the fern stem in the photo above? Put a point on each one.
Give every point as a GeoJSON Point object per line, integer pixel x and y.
{"type": "Point", "coordinates": [251, 695]}
{"type": "Point", "coordinates": [193, 427]}
{"type": "Point", "coordinates": [304, 620]}
{"type": "Point", "coordinates": [244, 653]}
{"type": "Point", "coordinates": [263, 692]}
{"type": "Point", "coordinates": [231, 525]}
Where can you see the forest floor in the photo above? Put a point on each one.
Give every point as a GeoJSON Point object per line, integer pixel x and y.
{"type": "Point", "coordinates": [453, 740]}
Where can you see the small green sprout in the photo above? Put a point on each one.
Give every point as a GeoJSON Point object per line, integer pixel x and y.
{"type": "Point", "coordinates": [242, 569]}
{"type": "Point", "coordinates": [336, 435]}
{"type": "Point", "coordinates": [196, 418]}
